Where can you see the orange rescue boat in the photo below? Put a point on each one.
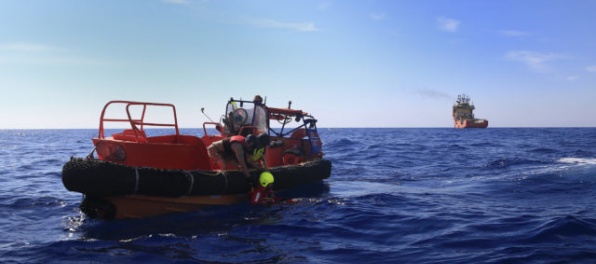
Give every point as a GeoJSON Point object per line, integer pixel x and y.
{"type": "Point", "coordinates": [141, 172]}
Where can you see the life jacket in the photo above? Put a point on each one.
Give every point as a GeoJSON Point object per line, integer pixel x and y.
{"type": "Point", "coordinates": [261, 195]}
{"type": "Point", "coordinates": [227, 145]}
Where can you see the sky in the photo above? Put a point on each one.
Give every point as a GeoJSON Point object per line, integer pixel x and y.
{"type": "Point", "coordinates": [365, 63]}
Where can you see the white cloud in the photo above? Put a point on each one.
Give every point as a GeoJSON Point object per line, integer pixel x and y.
{"type": "Point", "coordinates": [178, 2]}
{"type": "Point", "coordinates": [26, 47]}
{"type": "Point", "coordinates": [269, 23]}
{"type": "Point", "coordinates": [591, 68]}
{"type": "Point", "coordinates": [378, 16]}
{"type": "Point", "coordinates": [534, 60]}
{"type": "Point", "coordinates": [29, 53]}
{"type": "Point", "coordinates": [513, 33]}
{"type": "Point", "coordinates": [572, 78]}
{"type": "Point", "coordinates": [49, 60]}
{"type": "Point", "coordinates": [324, 6]}
{"type": "Point", "coordinates": [448, 24]}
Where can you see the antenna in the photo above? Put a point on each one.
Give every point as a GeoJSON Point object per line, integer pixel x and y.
{"type": "Point", "coordinates": [203, 111]}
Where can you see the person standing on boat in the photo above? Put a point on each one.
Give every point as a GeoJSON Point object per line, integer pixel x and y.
{"type": "Point", "coordinates": [257, 116]}
{"type": "Point", "coordinates": [240, 151]}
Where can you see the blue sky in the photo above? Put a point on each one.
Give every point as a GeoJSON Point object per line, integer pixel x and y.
{"type": "Point", "coordinates": [387, 63]}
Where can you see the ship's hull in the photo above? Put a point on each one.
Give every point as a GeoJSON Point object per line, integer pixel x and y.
{"type": "Point", "coordinates": [476, 123]}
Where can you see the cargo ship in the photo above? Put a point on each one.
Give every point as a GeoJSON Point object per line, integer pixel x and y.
{"type": "Point", "coordinates": [463, 114]}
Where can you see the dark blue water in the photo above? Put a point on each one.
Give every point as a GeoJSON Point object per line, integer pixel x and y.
{"type": "Point", "coordinates": [494, 195]}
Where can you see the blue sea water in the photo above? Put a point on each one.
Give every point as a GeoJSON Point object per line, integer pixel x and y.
{"type": "Point", "coordinates": [442, 195]}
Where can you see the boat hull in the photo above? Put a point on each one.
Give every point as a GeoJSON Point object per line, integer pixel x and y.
{"type": "Point", "coordinates": [141, 206]}
{"type": "Point", "coordinates": [478, 123]}
{"type": "Point", "coordinates": [113, 191]}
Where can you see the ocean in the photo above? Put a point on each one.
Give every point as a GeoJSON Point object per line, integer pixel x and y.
{"type": "Point", "coordinates": [395, 195]}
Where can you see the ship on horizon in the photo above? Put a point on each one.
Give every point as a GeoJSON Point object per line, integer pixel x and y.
{"type": "Point", "coordinates": [463, 114]}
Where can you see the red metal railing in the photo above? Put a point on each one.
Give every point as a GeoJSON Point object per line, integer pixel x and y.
{"type": "Point", "coordinates": [137, 125]}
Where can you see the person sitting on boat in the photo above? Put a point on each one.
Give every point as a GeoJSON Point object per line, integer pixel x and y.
{"type": "Point", "coordinates": [240, 151]}
{"type": "Point", "coordinates": [263, 194]}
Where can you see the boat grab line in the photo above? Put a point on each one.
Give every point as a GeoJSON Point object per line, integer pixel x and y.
{"type": "Point", "coordinates": [225, 176]}
{"type": "Point", "coordinates": [192, 181]}
{"type": "Point", "coordinates": [136, 180]}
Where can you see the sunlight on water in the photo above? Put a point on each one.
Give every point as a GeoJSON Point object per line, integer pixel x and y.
{"type": "Point", "coordinates": [578, 161]}
{"type": "Point", "coordinates": [578, 166]}
{"type": "Point", "coordinates": [361, 188]}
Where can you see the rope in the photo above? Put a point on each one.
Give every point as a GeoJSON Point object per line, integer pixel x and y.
{"type": "Point", "coordinates": [209, 174]}
{"type": "Point", "coordinates": [192, 182]}
{"type": "Point", "coordinates": [90, 156]}
{"type": "Point", "coordinates": [136, 180]}
{"type": "Point", "coordinates": [225, 176]}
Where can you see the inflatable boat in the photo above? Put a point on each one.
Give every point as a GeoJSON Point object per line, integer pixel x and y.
{"type": "Point", "coordinates": [150, 168]}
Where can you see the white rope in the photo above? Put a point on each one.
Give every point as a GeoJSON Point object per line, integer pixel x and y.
{"type": "Point", "coordinates": [192, 182]}
{"type": "Point", "coordinates": [223, 173]}
{"type": "Point", "coordinates": [136, 180]}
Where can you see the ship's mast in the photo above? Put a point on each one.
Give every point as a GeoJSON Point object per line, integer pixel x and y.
{"type": "Point", "coordinates": [463, 99]}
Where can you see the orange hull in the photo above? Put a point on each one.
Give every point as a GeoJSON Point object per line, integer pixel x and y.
{"type": "Point", "coordinates": [471, 124]}
{"type": "Point", "coordinates": [138, 206]}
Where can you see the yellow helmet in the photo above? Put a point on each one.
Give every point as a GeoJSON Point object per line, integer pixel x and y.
{"type": "Point", "coordinates": [266, 178]}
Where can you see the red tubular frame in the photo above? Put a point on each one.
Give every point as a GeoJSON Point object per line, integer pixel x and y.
{"type": "Point", "coordinates": [134, 123]}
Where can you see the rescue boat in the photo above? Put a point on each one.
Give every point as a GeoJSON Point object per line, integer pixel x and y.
{"type": "Point", "coordinates": [140, 171]}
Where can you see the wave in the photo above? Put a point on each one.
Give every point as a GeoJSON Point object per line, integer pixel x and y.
{"type": "Point", "coordinates": [508, 162]}
{"type": "Point", "coordinates": [562, 229]}
{"type": "Point", "coordinates": [578, 167]}
{"type": "Point", "coordinates": [578, 161]}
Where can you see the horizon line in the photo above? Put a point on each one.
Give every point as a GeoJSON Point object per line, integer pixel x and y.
{"type": "Point", "coordinates": [347, 127]}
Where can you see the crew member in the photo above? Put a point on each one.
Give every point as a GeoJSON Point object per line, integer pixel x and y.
{"type": "Point", "coordinates": [240, 152]}
{"type": "Point", "coordinates": [258, 153]}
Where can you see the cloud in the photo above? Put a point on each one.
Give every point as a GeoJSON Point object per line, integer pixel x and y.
{"type": "Point", "coordinates": [591, 68]}
{"type": "Point", "coordinates": [50, 60]}
{"type": "Point", "coordinates": [26, 47]}
{"type": "Point", "coordinates": [536, 61]}
{"type": "Point", "coordinates": [178, 2]}
{"type": "Point", "coordinates": [448, 24]}
{"type": "Point", "coordinates": [324, 6]}
{"type": "Point", "coordinates": [572, 78]}
{"type": "Point", "coordinates": [513, 33]}
{"type": "Point", "coordinates": [30, 53]}
{"type": "Point", "coordinates": [269, 23]}
{"type": "Point", "coordinates": [378, 16]}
